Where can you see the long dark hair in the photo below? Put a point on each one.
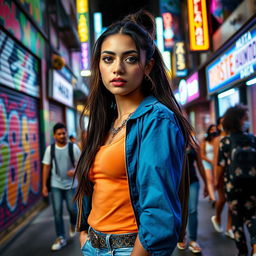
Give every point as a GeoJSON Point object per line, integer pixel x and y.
{"type": "Point", "coordinates": [232, 118]}
{"type": "Point", "coordinates": [101, 103]}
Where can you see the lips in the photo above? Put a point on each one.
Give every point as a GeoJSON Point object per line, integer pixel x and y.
{"type": "Point", "coordinates": [118, 82]}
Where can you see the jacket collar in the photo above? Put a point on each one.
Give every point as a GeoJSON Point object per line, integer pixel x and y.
{"type": "Point", "coordinates": [144, 106]}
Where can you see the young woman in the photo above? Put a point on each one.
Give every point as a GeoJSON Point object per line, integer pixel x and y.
{"type": "Point", "coordinates": [240, 193]}
{"type": "Point", "coordinates": [207, 157]}
{"type": "Point", "coordinates": [219, 186]}
{"type": "Point", "coordinates": [130, 169]}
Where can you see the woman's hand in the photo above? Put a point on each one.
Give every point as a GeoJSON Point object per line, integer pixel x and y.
{"type": "Point", "coordinates": [82, 237]}
{"type": "Point", "coordinates": [206, 193]}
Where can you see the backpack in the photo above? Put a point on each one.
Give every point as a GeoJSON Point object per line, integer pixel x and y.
{"type": "Point", "coordinates": [52, 154]}
{"type": "Point", "coordinates": [242, 168]}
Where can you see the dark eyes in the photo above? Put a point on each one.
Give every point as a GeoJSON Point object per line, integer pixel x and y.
{"type": "Point", "coordinates": [107, 59]}
{"type": "Point", "coordinates": [129, 59]}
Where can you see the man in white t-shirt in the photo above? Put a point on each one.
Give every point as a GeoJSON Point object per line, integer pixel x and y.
{"type": "Point", "coordinates": [60, 164]}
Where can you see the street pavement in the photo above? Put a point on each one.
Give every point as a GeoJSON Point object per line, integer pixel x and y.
{"type": "Point", "coordinates": [37, 238]}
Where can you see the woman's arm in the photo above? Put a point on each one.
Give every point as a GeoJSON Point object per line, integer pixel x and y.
{"type": "Point", "coordinates": [221, 159]}
{"type": "Point", "coordinates": [216, 143]}
{"type": "Point", "coordinates": [138, 249]}
{"type": "Point", "coordinates": [201, 170]}
{"type": "Point", "coordinates": [219, 174]}
{"type": "Point", "coordinates": [160, 157]}
{"type": "Point", "coordinates": [203, 152]}
{"type": "Point", "coordinates": [82, 238]}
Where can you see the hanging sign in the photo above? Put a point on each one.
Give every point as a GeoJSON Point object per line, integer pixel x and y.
{"type": "Point", "coordinates": [62, 90]}
{"type": "Point", "coordinates": [188, 89]}
{"type": "Point", "coordinates": [171, 14]}
{"type": "Point", "coordinates": [198, 25]}
{"type": "Point", "coordinates": [83, 31]}
{"type": "Point", "coordinates": [179, 55]}
{"type": "Point", "coordinates": [236, 63]}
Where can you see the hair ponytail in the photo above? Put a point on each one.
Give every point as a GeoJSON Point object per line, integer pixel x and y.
{"type": "Point", "coordinates": [143, 19]}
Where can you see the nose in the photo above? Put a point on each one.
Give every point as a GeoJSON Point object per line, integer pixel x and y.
{"type": "Point", "coordinates": [118, 67]}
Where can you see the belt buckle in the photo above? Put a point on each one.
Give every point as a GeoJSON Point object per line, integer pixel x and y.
{"type": "Point", "coordinates": [95, 240]}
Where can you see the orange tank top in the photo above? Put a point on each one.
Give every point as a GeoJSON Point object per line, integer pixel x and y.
{"type": "Point", "coordinates": [111, 211]}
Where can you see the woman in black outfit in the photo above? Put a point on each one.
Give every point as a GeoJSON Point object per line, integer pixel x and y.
{"type": "Point", "coordinates": [241, 196]}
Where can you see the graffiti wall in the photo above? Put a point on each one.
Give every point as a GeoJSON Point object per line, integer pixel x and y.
{"type": "Point", "coordinates": [19, 156]}
{"type": "Point", "coordinates": [12, 19]}
{"type": "Point", "coordinates": [18, 68]}
{"type": "Point", "coordinates": [34, 8]}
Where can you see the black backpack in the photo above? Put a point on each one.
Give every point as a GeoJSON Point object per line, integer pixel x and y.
{"type": "Point", "coordinates": [242, 168]}
{"type": "Point", "coordinates": [52, 153]}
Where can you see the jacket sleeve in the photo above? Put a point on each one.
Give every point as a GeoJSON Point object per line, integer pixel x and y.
{"type": "Point", "coordinates": [158, 178]}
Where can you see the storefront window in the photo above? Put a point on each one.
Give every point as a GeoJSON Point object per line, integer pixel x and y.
{"type": "Point", "coordinates": [227, 99]}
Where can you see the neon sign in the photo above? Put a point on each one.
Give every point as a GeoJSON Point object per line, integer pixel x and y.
{"type": "Point", "coordinates": [235, 64]}
{"type": "Point", "coordinates": [83, 31]}
{"type": "Point", "coordinates": [198, 25]}
{"type": "Point", "coordinates": [188, 89]}
{"type": "Point", "coordinates": [180, 59]}
{"type": "Point", "coordinates": [168, 30]}
{"type": "Point", "coordinates": [193, 87]}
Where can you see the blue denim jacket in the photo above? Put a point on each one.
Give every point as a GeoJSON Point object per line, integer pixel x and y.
{"type": "Point", "coordinates": [154, 154]}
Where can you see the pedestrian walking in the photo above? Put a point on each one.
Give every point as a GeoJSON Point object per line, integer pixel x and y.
{"type": "Point", "coordinates": [237, 157]}
{"type": "Point", "coordinates": [72, 138]}
{"type": "Point", "coordinates": [194, 160]}
{"type": "Point", "coordinates": [131, 166]}
{"type": "Point", "coordinates": [59, 163]}
{"type": "Point", "coordinates": [207, 157]}
{"type": "Point", "coordinates": [219, 186]}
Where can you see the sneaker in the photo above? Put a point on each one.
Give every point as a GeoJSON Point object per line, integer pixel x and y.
{"type": "Point", "coordinates": [229, 233]}
{"type": "Point", "coordinates": [59, 243]}
{"type": "Point", "coordinates": [72, 231]}
{"type": "Point", "coordinates": [216, 225]}
{"type": "Point", "coordinates": [194, 247]}
{"type": "Point", "coordinates": [181, 246]}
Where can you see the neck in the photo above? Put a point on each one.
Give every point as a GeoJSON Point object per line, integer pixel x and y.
{"type": "Point", "coordinates": [126, 105]}
{"type": "Point", "coordinates": [61, 145]}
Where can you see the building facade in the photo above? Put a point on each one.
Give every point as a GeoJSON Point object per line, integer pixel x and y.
{"type": "Point", "coordinates": [39, 78]}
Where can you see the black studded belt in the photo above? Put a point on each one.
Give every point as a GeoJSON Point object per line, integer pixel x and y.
{"type": "Point", "coordinates": [116, 241]}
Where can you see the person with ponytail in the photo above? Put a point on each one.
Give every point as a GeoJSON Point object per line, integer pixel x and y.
{"type": "Point", "coordinates": [132, 185]}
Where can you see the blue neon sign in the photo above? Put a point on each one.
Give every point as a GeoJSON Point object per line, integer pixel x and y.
{"type": "Point", "coordinates": [236, 63]}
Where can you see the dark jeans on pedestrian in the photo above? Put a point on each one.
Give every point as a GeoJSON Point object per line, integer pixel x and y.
{"type": "Point", "coordinates": [58, 196]}
{"type": "Point", "coordinates": [192, 210]}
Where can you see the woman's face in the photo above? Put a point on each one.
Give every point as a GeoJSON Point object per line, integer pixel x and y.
{"type": "Point", "coordinates": [121, 71]}
{"type": "Point", "coordinates": [213, 129]}
{"type": "Point", "coordinates": [244, 120]}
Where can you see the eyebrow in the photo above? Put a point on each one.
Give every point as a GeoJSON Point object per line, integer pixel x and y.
{"type": "Point", "coordinates": [124, 53]}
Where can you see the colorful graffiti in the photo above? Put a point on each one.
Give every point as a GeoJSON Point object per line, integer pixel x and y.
{"type": "Point", "coordinates": [18, 68]}
{"type": "Point", "coordinates": [19, 156]}
{"type": "Point", "coordinates": [12, 19]}
{"type": "Point", "coordinates": [34, 8]}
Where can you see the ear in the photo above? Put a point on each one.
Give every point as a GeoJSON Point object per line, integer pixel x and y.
{"type": "Point", "coordinates": [149, 66]}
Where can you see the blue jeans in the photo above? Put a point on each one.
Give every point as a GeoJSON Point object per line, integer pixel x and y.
{"type": "Point", "coordinates": [192, 210]}
{"type": "Point", "coordinates": [88, 250]}
{"type": "Point", "coordinates": [58, 196]}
